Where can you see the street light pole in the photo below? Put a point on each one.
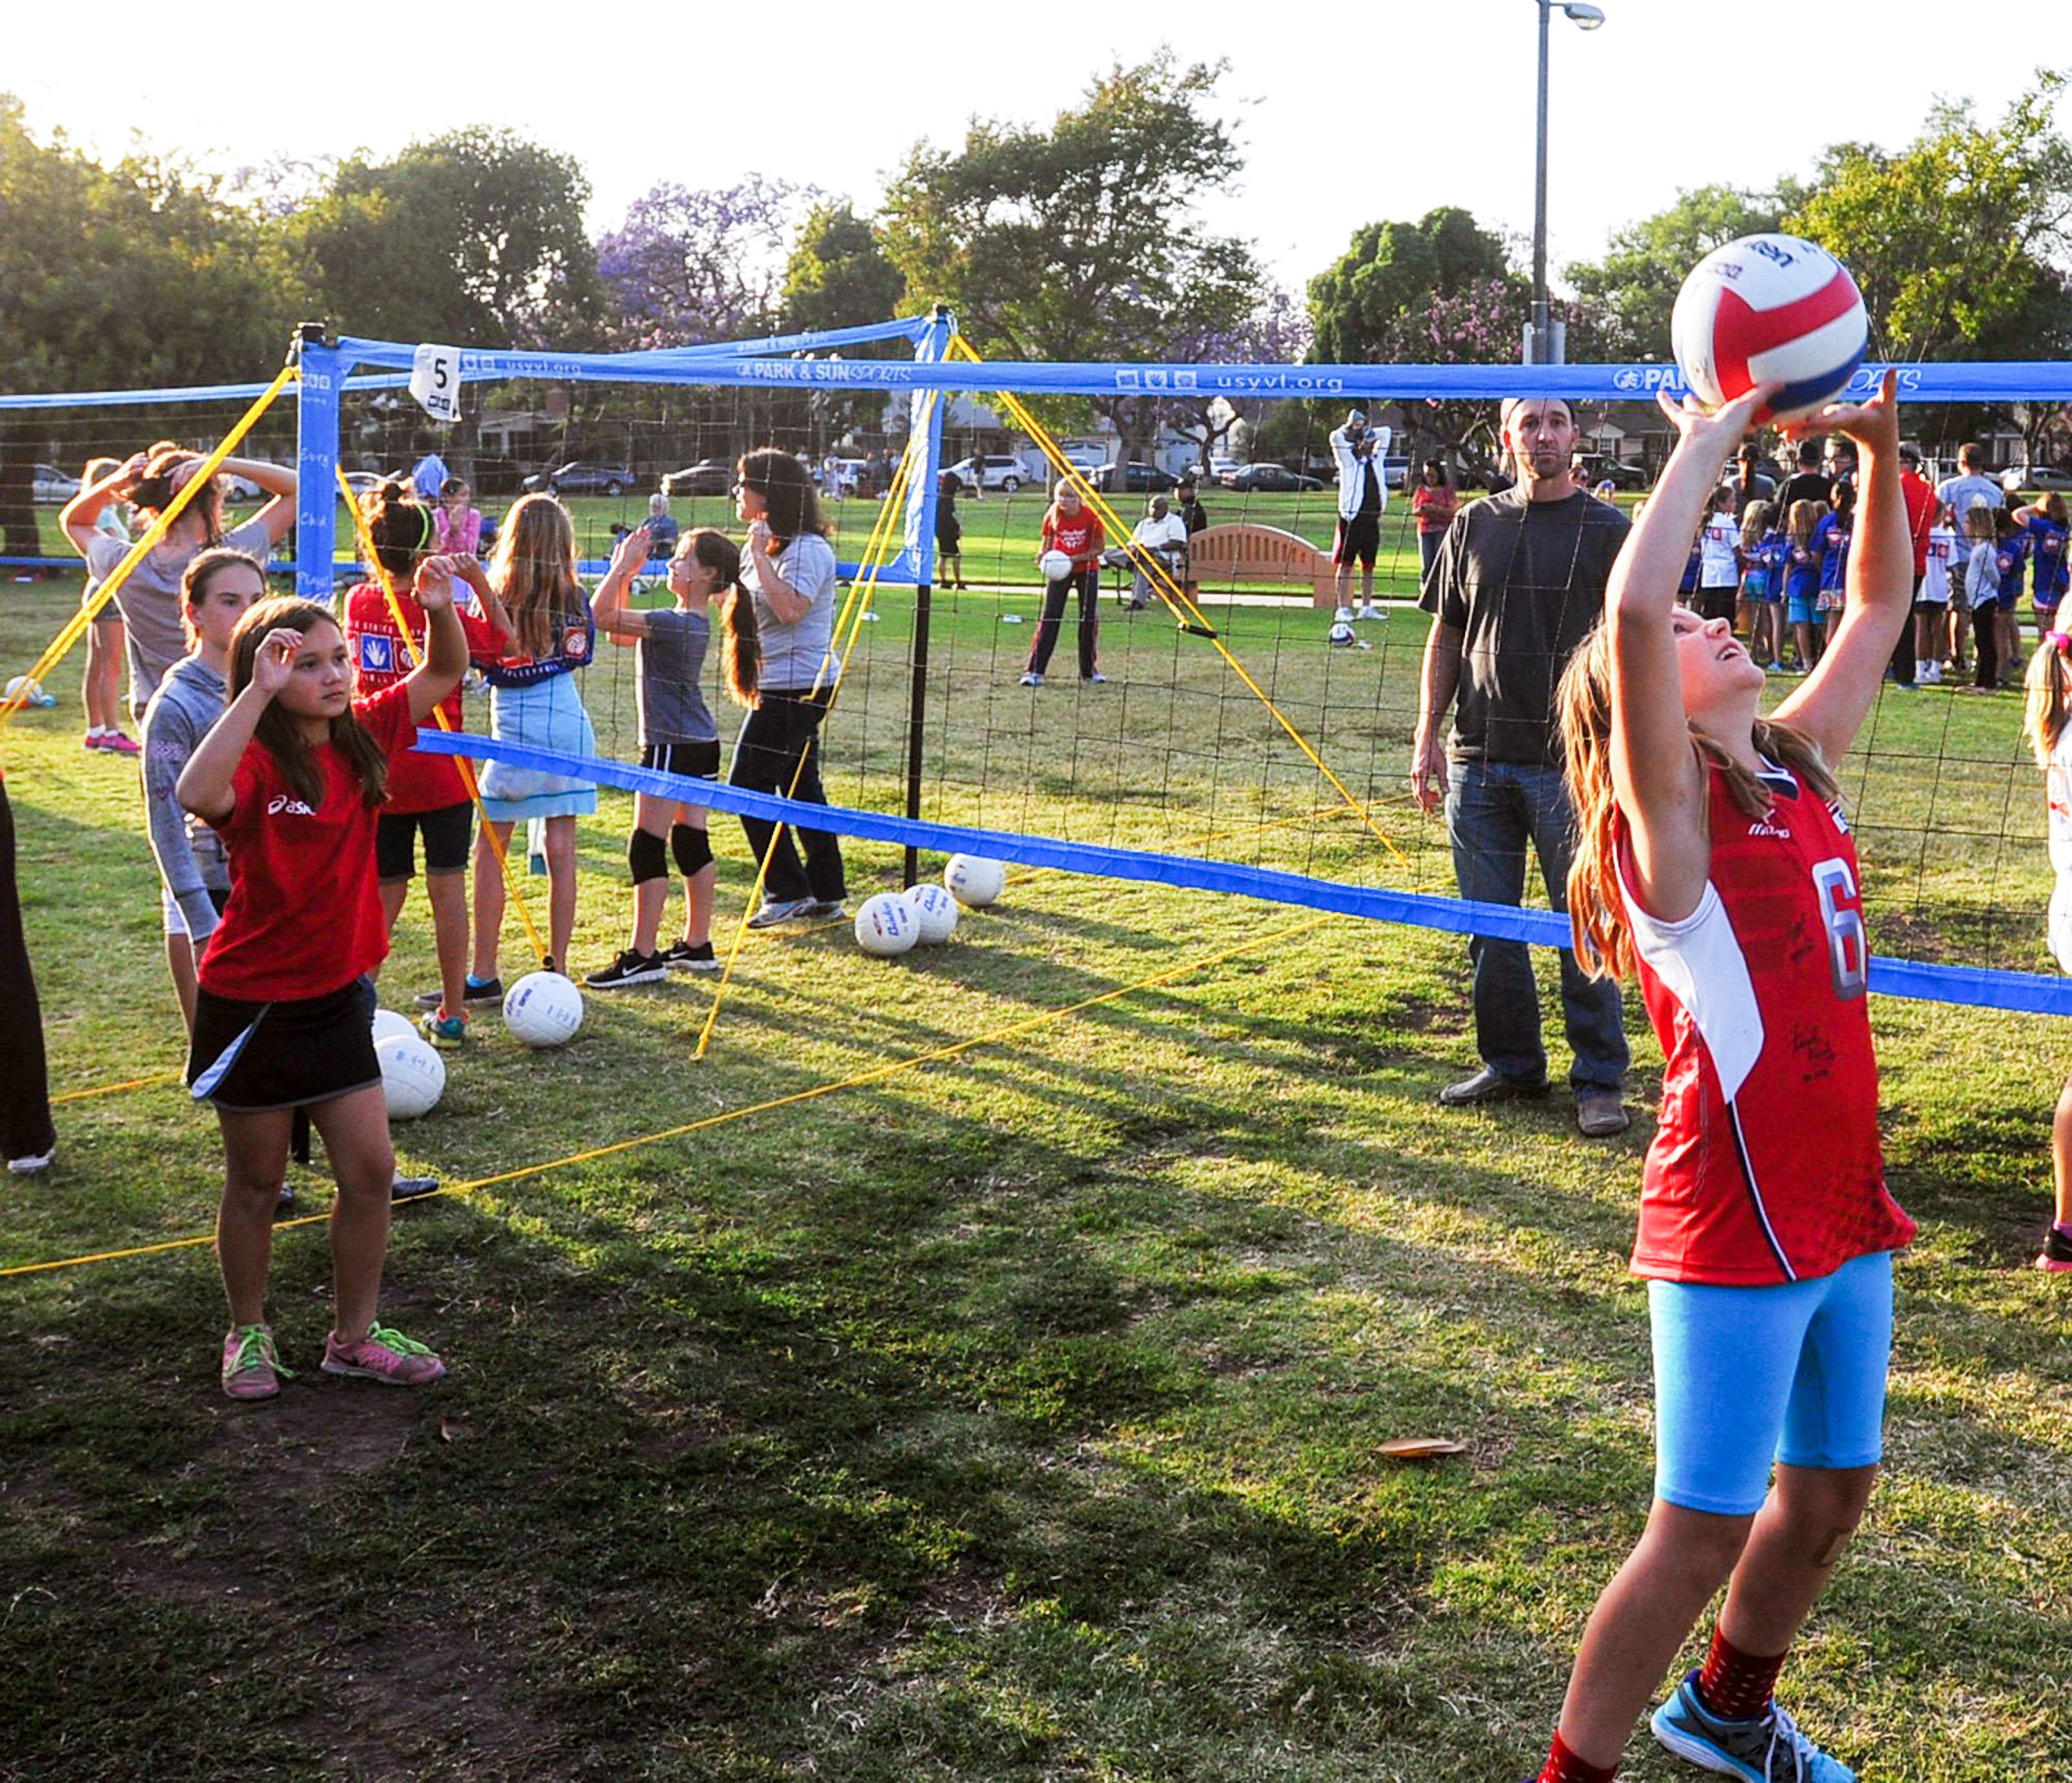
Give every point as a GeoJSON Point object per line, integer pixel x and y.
{"type": "Point", "coordinates": [1544, 344]}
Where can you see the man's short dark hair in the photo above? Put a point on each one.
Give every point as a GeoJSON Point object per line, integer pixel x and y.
{"type": "Point", "coordinates": [1809, 453]}
{"type": "Point", "coordinates": [1909, 454]}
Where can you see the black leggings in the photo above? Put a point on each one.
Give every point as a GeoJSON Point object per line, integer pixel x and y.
{"type": "Point", "coordinates": [780, 738]}
{"type": "Point", "coordinates": [1986, 643]}
{"type": "Point", "coordinates": [1087, 581]}
{"type": "Point", "coordinates": [26, 1130]}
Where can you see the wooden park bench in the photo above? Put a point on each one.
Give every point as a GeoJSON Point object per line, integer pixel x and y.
{"type": "Point", "coordinates": [1254, 554]}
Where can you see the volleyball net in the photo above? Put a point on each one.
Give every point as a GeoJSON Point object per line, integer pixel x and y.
{"type": "Point", "coordinates": [1229, 745]}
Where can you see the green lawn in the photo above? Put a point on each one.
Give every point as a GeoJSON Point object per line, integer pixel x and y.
{"type": "Point", "coordinates": [1012, 1417]}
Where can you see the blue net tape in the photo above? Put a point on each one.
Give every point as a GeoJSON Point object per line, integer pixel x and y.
{"type": "Point", "coordinates": [2030, 992]}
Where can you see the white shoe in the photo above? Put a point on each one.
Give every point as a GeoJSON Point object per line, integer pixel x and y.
{"type": "Point", "coordinates": [1932, 673]}
{"type": "Point", "coordinates": [1097, 679]}
{"type": "Point", "coordinates": [1342, 616]}
{"type": "Point", "coordinates": [31, 1166]}
{"type": "Point", "coordinates": [1032, 679]}
{"type": "Point", "coordinates": [1372, 609]}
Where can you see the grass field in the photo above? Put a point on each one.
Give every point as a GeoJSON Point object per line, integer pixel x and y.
{"type": "Point", "coordinates": [1012, 1416]}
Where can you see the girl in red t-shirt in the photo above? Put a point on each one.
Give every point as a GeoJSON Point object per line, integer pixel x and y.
{"type": "Point", "coordinates": [292, 777]}
{"type": "Point", "coordinates": [1075, 529]}
{"type": "Point", "coordinates": [1712, 862]}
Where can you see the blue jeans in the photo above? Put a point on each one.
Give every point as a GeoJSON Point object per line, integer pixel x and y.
{"type": "Point", "coordinates": [1495, 810]}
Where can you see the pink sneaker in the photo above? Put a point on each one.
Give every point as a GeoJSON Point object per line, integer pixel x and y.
{"type": "Point", "coordinates": [251, 1369]}
{"type": "Point", "coordinates": [121, 745]}
{"type": "Point", "coordinates": [383, 1355]}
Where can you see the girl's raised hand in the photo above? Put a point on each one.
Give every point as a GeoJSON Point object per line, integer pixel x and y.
{"type": "Point", "coordinates": [431, 586]}
{"type": "Point", "coordinates": [630, 552]}
{"type": "Point", "coordinates": [275, 660]}
{"type": "Point", "coordinates": [1873, 425]}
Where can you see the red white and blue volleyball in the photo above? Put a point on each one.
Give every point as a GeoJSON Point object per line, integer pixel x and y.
{"type": "Point", "coordinates": [1769, 306]}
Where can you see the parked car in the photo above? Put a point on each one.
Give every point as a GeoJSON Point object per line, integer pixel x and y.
{"type": "Point", "coordinates": [1267, 477]}
{"type": "Point", "coordinates": [1006, 475]}
{"type": "Point", "coordinates": [365, 483]}
{"type": "Point", "coordinates": [848, 476]}
{"type": "Point", "coordinates": [709, 476]}
{"type": "Point", "coordinates": [1622, 476]}
{"type": "Point", "coordinates": [579, 478]}
{"type": "Point", "coordinates": [1395, 472]}
{"type": "Point", "coordinates": [1221, 469]}
{"type": "Point", "coordinates": [48, 482]}
{"type": "Point", "coordinates": [1136, 479]}
{"type": "Point", "coordinates": [2035, 476]}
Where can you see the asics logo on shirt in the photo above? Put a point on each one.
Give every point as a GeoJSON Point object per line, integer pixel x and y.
{"type": "Point", "coordinates": [281, 803]}
{"type": "Point", "coordinates": [1762, 826]}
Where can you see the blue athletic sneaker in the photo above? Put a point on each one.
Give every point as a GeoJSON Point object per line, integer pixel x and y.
{"type": "Point", "coordinates": [1769, 1749]}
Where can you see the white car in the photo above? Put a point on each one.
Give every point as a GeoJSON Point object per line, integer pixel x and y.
{"type": "Point", "coordinates": [48, 482]}
{"type": "Point", "coordinates": [1006, 475]}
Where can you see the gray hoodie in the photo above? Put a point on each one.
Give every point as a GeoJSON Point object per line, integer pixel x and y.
{"type": "Point", "coordinates": [189, 700]}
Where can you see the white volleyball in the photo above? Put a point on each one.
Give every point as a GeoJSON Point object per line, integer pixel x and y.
{"type": "Point", "coordinates": [388, 1024]}
{"type": "Point", "coordinates": [1055, 565]}
{"type": "Point", "coordinates": [974, 880]}
{"type": "Point", "coordinates": [543, 1009]}
{"type": "Point", "coordinates": [887, 924]}
{"type": "Point", "coordinates": [1769, 306]}
{"type": "Point", "coordinates": [937, 911]}
{"type": "Point", "coordinates": [413, 1076]}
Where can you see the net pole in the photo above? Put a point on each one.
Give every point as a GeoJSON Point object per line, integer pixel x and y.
{"type": "Point", "coordinates": [317, 478]}
{"type": "Point", "coordinates": [920, 551]}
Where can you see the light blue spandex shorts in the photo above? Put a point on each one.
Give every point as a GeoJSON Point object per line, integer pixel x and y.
{"type": "Point", "coordinates": [1745, 1376]}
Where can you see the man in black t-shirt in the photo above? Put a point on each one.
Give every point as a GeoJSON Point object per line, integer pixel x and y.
{"type": "Point", "coordinates": [1808, 483]}
{"type": "Point", "coordinates": [1518, 584]}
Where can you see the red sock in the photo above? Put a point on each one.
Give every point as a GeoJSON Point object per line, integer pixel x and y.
{"type": "Point", "coordinates": [1734, 1685]}
{"type": "Point", "coordinates": [1563, 1766]}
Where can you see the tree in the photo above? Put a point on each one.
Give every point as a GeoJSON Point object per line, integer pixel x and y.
{"type": "Point", "coordinates": [1627, 296]}
{"type": "Point", "coordinates": [1082, 240]}
{"type": "Point", "coordinates": [1275, 333]}
{"type": "Point", "coordinates": [129, 276]}
{"type": "Point", "coordinates": [839, 275]}
{"type": "Point", "coordinates": [1952, 238]}
{"type": "Point", "coordinates": [690, 266]}
{"type": "Point", "coordinates": [473, 239]}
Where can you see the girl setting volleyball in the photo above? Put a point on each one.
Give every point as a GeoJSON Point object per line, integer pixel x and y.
{"type": "Point", "coordinates": [1712, 863]}
{"type": "Point", "coordinates": [292, 777]}
{"type": "Point", "coordinates": [678, 734]}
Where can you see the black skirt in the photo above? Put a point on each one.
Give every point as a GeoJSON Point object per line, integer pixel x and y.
{"type": "Point", "coordinates": [252, 1058]}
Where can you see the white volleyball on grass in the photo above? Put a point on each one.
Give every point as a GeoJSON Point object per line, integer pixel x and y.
{"type": "Point", "coordinates": [543, 1009]}
{"type": "Point", "coordinates": [413, 1076]}
{"type": "Point", "coordinates": [388, 1024]}
{"type": "Point", "coordinates": [1055, 565]}
{"type": "Point", "coordinates": [887, 924]}
{"type": "Point", "coordinates": [974, 880]}
{"type": "Point", "coordinates": [30, 692]}
{"type": "Point", "coordinates": [937, 911]}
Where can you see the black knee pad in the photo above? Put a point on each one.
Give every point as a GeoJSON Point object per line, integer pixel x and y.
{"type": "Point", "coordinates": [646, 855]}
{"type": "Point", "coordinates": [691, 846]}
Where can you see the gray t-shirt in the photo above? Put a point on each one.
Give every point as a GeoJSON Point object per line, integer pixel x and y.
{"type": "Point", "coordinates": [189, 701]}
{"type": "Point", "coordinates": [1522, 581]}
{"type": "Point", "coordinates": [150, 599]}
{"type": "Point", "coordinates": [670, 659]}
{"type": "Point", "coordinates": [795, 657]}
{"type": "Point", "coordinates": [1961, 494]}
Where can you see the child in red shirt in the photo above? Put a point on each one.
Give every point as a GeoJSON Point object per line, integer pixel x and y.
{"type": "Point", "coordinates": [292, 777]}
{"type": "Point", "coordinates": [428, 795]}
{"type": "Point", "coordinates": [1074, 529]}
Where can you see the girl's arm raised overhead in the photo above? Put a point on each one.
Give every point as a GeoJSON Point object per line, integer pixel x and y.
{"type": "Point", "coordinates": [205, 783]}
{"type": "Point", "coordinates": [1879, 591]}
{"type": "Point", "coordinates": [77, 516]}
{"type": "Point", "coordinates": [1660, 784]}
{"type": "Point", "coordinates": [276, 480]}
{"type": "Point", "coordinates": [446, 643]}
{"type": "Point", "coordinates": [608, 606]}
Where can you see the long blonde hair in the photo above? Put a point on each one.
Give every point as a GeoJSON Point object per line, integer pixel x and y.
{"type": "Point", "coordinates": [2048, 685]}
{"type": "Point", "coordinates": [1602, 936]}
{"type": "Point", "coordinates": [533, 570]}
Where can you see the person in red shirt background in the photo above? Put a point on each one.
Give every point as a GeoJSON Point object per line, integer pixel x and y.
{"type": "Point", "coordinates": [427, 794]}
{"type": "Point", "coordinates": [1925, 662]}
{"type": "Point", "coordinates": [1434, 501]}
{"type": "Point", "coordinates": [1072, 527]}
{"type": "Point", "coordinates": [292, 777]}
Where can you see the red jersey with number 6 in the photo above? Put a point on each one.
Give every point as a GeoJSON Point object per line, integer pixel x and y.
{"type": "Point", "coordinates": [1766, 1165]}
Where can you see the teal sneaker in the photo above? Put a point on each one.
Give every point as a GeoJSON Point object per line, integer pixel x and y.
{"type": "Point", "coordinates": [446, 1033]}
{"type": "Point", "coordinates": [1769, 1749]}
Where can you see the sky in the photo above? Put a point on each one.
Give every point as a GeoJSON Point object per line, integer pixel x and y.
{"type": "Point", "coordinates": [1368, 111]}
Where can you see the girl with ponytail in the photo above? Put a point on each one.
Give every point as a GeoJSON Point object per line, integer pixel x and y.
{"type": "Point", "coordinates": [428, 795]}
{"type": "Point", "coordinates": [678, 734]}
{"type": "Point", "coordinates": [1712, 863]}
{"type": "Point", "coordinates": [2048, 726]}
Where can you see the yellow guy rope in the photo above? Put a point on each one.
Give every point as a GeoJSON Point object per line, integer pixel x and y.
{"type": "Point", "coordinates": [997, 1036]}
{"type": "Point", "coordinates": [367, 551]}
{"type": "Point", "coordinates": [75, 626]}
{"type": "Point", "coordinates": [848, 624]}
{"type": "Point", "coordinates": [1159, 574]}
